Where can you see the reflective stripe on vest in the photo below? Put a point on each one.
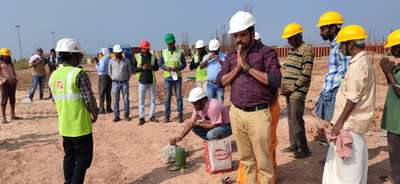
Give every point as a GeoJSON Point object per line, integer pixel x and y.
{"type": "Point", "coordinates": [201, 74]}
{"type": "Point", "coordinates": [74, 119]}
{"type": "Point", "coordinates": [138, 58]}
{"type": "Point", "coordinates": [70, 96]}
{"type": "Point", "coordinates": [172, 60]}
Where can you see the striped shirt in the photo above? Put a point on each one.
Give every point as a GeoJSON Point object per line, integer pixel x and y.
{"type": "Point", "coordinates": [297, 71]}
{"type": "Point", "coordinates": [337, 68]}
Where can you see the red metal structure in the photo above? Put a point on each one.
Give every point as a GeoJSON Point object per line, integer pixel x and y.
{"type": "Point", "coordinates": [322, 51]}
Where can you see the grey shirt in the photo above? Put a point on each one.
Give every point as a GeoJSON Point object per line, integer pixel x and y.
{"type": "Point", "coordinates": [119, 70]}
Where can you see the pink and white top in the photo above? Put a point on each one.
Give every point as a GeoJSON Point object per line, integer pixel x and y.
{"type": "Point", "coordinates": [214, 111]}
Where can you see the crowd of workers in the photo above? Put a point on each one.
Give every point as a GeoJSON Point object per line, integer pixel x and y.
{"type": "Point", "coordinates": [346, 103]}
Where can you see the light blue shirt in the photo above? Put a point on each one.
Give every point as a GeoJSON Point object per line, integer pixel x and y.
{"type": "Point", "coordinates": [213, 67]}
{"type": "Point", "coordinates": [102, 69]}
{"type": "Point", "coordinates": [337, 68]}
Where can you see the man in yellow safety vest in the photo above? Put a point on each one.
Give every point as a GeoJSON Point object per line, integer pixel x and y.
{"type": "Point", "coordinates": [76, 108]}
{"type": "Point", "coordinates": [172, 61]}
{"type": "Point", "coordinates": [201, 74]}
{"type": "Point", "coordinates": [144, 66]}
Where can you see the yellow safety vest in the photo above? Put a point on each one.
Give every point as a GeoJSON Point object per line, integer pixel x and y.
{"type": "Point", "coordinates": [172, 60]}
{"type": "Point", "coordinates": [74, 119]}
{"type": "Point", "coordinates": [201, 74]}
{"type": "Point", "coordinates": [138, 58]}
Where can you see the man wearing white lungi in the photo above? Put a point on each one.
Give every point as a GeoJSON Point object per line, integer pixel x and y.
{"type": "Point", "coordinates": [354, 109]}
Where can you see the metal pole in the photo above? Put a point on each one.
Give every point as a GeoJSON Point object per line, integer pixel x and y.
{"type": "Point", "coordinates": [54, 39]}
{"type": "Point", "coordinates": [19, 40]}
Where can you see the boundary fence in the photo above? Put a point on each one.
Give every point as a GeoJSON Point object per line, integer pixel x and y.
{"type": "Point", "coordinates": [322, 51]}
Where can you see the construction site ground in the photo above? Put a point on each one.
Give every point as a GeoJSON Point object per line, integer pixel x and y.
{"type": "Point", "coordinates": [31, 150]}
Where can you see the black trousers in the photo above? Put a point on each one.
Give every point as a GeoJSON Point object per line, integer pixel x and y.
{"type": "Point", "coordinates": [78, 157]}
{"type": "Point", "coordinates": [297, 132]}
{"type": "Point", "coordinates": [394, 152]}
{"type": "Point", "coordinates": [105, 85]}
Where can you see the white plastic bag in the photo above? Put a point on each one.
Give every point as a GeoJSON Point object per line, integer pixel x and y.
{"type": "Point", "coordinates": [218, 155]}
{"type": "Point", "coordinates": [167, 154]}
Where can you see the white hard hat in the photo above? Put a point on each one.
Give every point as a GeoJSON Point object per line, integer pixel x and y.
{"type": "Point", "coordinates": [196, 94]}
{"type": "Point", "coordinates": [68, 45]}
{"type": "Point", "coordinates": [214, 45]}
{"type": "Point", "coordinates": [257, 36]}
{"type": "Point", "coordinates": [241, 21]}
{"type": "Point", "coordinates": [117, 49]}
{"type": "Point", "coordinates": [200, 44]}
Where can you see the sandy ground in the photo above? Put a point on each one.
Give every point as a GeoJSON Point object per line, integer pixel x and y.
{"type": "Point", "coordinates": [31, 149]}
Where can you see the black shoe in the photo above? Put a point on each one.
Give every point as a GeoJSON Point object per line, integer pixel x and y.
{"type": "Point", "coordinates": [289, 149]}
{"type": "Point", "coordinates": [180, 119]}
{"type": "Point", "coordinates": [141, 121]}
{"type": "Point", "coordinates": [116, 119]}
{"type": "Point", "coordinates": [127, 118]}
{"type": "Point", "coordinates": [301, 153]}
{"type": "Point", "coordinates": [166, 120]}
{"type": "Point", "coordinates": [154, 119]}
{"type": "Point", "coordinates": [110, 110]}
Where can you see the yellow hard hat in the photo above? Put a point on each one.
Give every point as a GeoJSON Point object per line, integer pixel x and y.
{"type": "Point", "coordinates": [393, 39]}
{"type": "Point", "coordinates": [329, 18]}
{"type": "Point", "coordinates": [291, 30]}
{"type": "Point", "coordinates": [351, 32]}
{"type": "Point", "coordinates": [5, 52]}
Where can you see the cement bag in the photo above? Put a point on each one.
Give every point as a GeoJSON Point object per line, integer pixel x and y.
{"type": "Point", "coordinates": [218, 155]}
{"type": "Point", "coordinates": [167, 154]}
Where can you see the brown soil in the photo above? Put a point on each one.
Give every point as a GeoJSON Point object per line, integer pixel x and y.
{"type": "Point", "coordinates": [31, 149]}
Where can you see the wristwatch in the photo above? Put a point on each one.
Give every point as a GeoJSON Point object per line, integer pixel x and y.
{"type": "Point", "coordinates": [247, 68]}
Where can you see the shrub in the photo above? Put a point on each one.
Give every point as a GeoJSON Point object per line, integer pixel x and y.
{"type": "Point", "coordinates": [21, 64]}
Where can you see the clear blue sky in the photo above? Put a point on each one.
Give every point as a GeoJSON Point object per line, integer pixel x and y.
{"type": "Point", "coordinates": [96, 23]}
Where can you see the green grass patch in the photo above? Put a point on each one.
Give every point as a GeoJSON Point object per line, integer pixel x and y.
{"type": "Point", "coordinates": [21, 64]}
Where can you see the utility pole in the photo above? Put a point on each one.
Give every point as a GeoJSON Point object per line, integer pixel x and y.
{"type": "Point", "coordinates": [54, 39]}
{"type": "Point", "coordinates": [248, 8]}
{"type": "Point", "coordinates": [19, 41]}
